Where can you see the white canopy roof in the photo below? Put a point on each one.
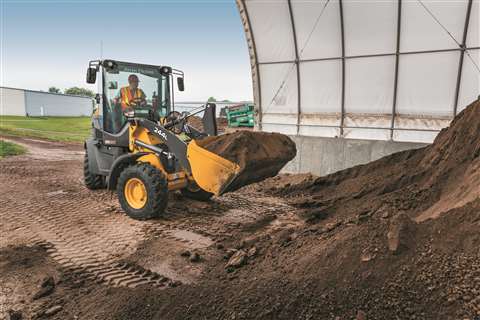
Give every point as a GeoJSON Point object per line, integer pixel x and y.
{"type": "Point", "coordinates": [367, 69]}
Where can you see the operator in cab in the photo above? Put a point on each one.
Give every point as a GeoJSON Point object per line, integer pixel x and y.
{"type": "Point", "coordinates": [131, 96]}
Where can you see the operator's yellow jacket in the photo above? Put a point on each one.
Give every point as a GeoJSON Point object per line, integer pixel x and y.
{"type": "Point", "coordinates": [127, 96]}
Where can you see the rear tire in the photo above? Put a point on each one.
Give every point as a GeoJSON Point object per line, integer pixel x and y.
{"type": "Point", "coordinates": [92, 181]}
{"type": "Point", "coordinates": [142, 191]}
{"type": "Point", "coordinates": [196, 193]}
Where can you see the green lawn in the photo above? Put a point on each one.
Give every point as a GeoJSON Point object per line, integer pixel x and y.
{"type": "Point", "coordinates": [10, 149]}
{"type": "Point", "coordinates": [53, 128]}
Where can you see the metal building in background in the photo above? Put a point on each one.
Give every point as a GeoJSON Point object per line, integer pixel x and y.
{"type": "Point", "coordinates": [388, 71]}
{"type": "Point", "coordinates": [21, 102]}
{"type": "Point", "coordinates": [12, 102]}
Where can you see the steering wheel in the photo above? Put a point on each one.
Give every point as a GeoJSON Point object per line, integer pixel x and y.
{"type": "Point", "coordinates": [171, 118]}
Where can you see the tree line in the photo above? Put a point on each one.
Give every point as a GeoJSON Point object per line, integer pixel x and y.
{"type": "Point", "coordinates": [76, 91]}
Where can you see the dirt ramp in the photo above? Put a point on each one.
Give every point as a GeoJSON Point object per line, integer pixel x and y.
{"type": "Point", "coordinates": [260, 155]}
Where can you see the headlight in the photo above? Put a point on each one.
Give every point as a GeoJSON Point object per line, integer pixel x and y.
{"type": "Point", "coordinates": [165, 70]}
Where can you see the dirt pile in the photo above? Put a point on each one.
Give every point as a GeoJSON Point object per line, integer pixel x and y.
{"type": "Point", "coordinates": [260, 155]}
{"type": "Point", "coordinates": [197, 123]}
{"type": "Point", "coordinates": [222, 124]}
{"type": "Point", "coordinates": [424, 182]}
{"type": "Point", "coordinates": [403, 224]}
{"type": "Point", "coordinates": [394, 239]}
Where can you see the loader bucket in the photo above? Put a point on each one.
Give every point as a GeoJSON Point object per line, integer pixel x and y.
{"type": "Point", "coordinates": [211, 172]}
{"type": "Point", "coordinates": [228, 162]}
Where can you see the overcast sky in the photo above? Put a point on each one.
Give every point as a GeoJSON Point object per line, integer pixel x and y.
{"type": "Point", "coordinates": [49, 43]}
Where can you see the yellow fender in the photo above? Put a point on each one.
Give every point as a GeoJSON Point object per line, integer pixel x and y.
{"type": "Point", "coordinates": [211, 172]}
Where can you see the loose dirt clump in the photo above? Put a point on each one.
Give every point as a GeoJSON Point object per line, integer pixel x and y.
{"type": "Point", "coordinates": [26, 280]}
{"type": "Point", "coordinates": [260, 155]}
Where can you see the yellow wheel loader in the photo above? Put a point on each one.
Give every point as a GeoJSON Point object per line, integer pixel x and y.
{"type": "Point", "coordinates": [143, 148]}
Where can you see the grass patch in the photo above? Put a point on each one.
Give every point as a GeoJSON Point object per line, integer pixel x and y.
{"type": "Point", "coordinates": [10, 149]}
{"type": "Point", "coordinates": [52, 128]}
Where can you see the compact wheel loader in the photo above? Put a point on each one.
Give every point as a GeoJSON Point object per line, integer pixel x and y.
{"type": "Point", "coordinates": [144, 149]}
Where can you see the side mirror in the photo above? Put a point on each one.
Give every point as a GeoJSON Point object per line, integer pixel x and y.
{"type": "Point", "coordinates": [91, 75]}
{"type": "Point", "coordinates": [112, 85]}
{"type": "Point", "coordinates": [97, 98]}
{"type": "Point", "coordinates": [180, 84]}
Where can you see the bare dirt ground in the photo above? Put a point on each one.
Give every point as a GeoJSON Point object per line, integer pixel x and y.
{"type": "Point", "coordinates": [83, 234]}
{"type": "Point", "coordinates": [397, 238]}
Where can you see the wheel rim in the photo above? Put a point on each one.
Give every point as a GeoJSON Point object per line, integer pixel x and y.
{"type": "Point", "coordinates": [135, 193]}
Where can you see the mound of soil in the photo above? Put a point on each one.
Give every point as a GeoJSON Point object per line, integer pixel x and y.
{"type": "Point", "coordinates": [394, 239]}
{"type": "Point", "coordinates": [260, 155]}
{"type": "Point", "coordinates": [425, 182]}
{"type": "Point", "coordinates": [197, 123]}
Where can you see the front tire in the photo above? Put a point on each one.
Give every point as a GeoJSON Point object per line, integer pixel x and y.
{"type": "Point", "coordinates": [196, 193]}
{"type": "Point", "coordinates": [142, 191]}
{"type": "Point", "coordinates": [92, 181]}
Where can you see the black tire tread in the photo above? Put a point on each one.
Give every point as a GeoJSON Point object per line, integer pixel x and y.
{"type": "Point", "coordinates": [92, 181]}
{"type": "Point", "coordinates": [157, 191]}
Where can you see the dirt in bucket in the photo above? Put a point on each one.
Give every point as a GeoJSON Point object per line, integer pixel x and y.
{"type": "Point", "coordinates": [260, 155]}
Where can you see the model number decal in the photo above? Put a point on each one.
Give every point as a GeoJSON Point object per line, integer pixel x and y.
{"type": "Point", "coordinates": [160, 133]}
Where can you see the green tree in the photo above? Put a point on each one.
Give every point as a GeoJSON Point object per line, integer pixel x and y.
{"type": "Point", "coordinates": [76, 91]}
{"type": "Point", "coordinates": [212, 99]}
{"type": "Point", "coordinates": [54, 90]}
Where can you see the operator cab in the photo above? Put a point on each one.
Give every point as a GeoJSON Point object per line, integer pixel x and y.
{"type": "Point", "coordinates": [154, 83]}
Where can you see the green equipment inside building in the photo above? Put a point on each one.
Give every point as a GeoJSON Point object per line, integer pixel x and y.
{"type": "Point", "coordinates": [241, 115]}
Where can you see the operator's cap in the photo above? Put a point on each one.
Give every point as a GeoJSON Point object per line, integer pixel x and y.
{"type": "Point", "coordinates": [133, 77]}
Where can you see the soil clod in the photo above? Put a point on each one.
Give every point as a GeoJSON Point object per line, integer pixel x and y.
{"type": "Point", "coordinates": [53, 310]}
{"type": "Point", "coordinates": [14, 315]}
{"type": "Point", "coordinates": [47, 287]}
{"type": "Point", "coordinates": [237, 260]}
{"type": "Point", "coordinates": [194, 257]}
{"type": "Point", "coordinates": [400, 233]}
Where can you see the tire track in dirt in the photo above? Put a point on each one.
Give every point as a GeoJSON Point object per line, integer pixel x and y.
{"type": "Point", "coordinates": [88, 244]}
{"type": "Point", "coordinates": [86, 232]}
{"type": "Point", "coordinates": [45, 203]}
